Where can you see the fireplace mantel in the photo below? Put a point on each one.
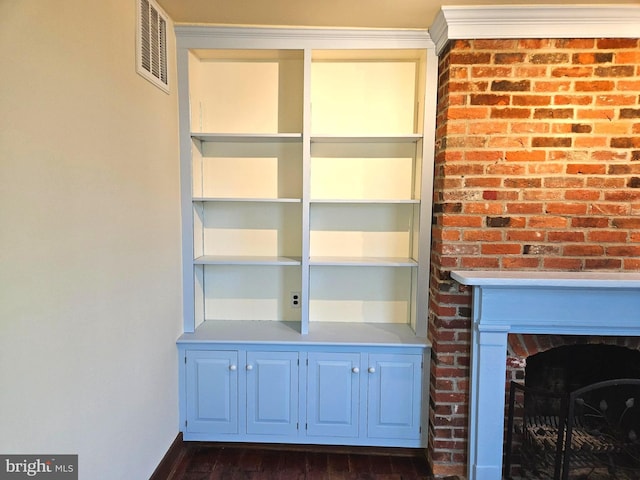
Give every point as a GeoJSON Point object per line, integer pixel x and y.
{"type": "Point", "coordinates": [565, 303]}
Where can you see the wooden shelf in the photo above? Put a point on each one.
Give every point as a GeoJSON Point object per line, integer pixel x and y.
{"type": "Point", "coordinates": [247, 199]}
{"type": "Point", "coordinates": [365, 201]}
{"type": "Point", "coordinates": [320, 333]}
{"type": "Point", "coordinates": [248, 137]}
{"type": "Point", "coordinates": [246, 260]}
{"type": "Point", "coordinates": [409, 138]}
{"type": "Point", "coordinates": [362, 261]}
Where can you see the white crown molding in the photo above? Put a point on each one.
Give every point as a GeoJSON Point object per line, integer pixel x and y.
{"type": "Point", "coordinates": [535, 21]}
{"type": "Point", "coordinates": [219, 36]}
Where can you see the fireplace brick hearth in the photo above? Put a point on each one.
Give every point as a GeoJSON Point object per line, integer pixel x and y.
{"type": "Point", "coordinates": [537, 169]}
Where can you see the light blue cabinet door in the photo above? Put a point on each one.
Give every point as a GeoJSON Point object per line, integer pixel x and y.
{"type": "Point", "coordinates": [272, 393]}
{"type": "Point", "coordinates": [394, 395]}
{"type": "Point", "coordinates": [212, 385]}
{"type": "Point", "coordinates": [333, 398]}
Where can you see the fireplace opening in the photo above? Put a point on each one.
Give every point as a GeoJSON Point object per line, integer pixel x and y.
{"type": "Point", "coordinates": [569, 367]}
{"type": "Point", "coordinates": [573, 395]}
{"type": "Point", "coordinates": [566, 368]}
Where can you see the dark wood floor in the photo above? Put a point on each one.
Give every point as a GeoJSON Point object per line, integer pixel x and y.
{"type": "Point", "coordinates": [204, 461]}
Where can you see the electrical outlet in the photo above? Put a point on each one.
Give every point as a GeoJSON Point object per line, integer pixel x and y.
{"type": "Point", "coordinates": [295, 299]}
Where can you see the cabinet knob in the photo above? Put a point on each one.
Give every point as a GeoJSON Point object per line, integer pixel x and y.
{"type": "Point", "coordinates": [249, 367]}
{"type": "Point", "coordinates": [355, 370]}
{"type": "Point", "coordinates": [233, 368]}
{"type": "Point", "coordinates": [372, 370]}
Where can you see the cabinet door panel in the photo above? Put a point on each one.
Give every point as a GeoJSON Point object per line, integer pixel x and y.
{"type": "Point", "coordinates": [272, 393]}
{"type": "Point", "coordinates": [333, 394]}
{"type": "Point", "coordinates": [394, 396]}
{"type": "Point", "coordinates": [212, 398]}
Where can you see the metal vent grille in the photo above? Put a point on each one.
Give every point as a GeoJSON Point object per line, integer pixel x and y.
{"type": "Point", "coordinates": [152, 44]}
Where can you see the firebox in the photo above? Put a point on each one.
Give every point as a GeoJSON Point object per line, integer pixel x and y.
{"type": "Point", "coordinates": [586, 396]}
{"type": "Point", "coordinates": [567, 368]}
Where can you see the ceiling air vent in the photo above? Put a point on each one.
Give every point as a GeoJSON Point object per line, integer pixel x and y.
{"type": "Point", "coordinates": [152, 44]}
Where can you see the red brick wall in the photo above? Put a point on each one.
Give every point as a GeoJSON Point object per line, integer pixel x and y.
{"type": "Point", "coordinates": [537, 167]}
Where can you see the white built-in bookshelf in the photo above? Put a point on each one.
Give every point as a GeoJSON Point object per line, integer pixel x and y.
{"type": "Point", "coordinates": [308, 174]}
{"type": "Point", "coordinates": [306, 180]}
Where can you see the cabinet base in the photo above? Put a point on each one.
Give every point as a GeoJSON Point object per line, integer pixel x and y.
{"type": "Point", "coordinates": [306, 442]}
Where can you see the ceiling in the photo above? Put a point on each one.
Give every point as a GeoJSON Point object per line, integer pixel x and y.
{"type": "Point", "coordinates": [333, 13]}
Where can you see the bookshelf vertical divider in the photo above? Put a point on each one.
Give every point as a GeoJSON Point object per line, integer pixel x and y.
{"type": "Point", "coordinates": [306, 179]}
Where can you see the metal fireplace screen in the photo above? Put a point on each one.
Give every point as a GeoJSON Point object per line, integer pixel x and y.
{"type": "Point", "coordinates": [592, 432]}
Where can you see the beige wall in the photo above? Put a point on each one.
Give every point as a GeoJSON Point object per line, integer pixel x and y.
{"type": "Point", "coordinates": [89, 240]}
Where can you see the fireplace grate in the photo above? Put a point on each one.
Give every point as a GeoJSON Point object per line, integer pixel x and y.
{"type": "Point", "coordinates": [593, 434]}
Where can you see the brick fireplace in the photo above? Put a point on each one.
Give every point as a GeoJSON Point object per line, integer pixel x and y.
{"type": "Point", "coordinates": [537, 169]}
{"type": "Point", "coordinates": [532, 302]}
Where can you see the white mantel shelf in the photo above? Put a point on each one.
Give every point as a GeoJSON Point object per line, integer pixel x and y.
{"type": "Point", "coordinates": [547, 279]}
{"type": "Point", "coordinates": [565, 303]}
